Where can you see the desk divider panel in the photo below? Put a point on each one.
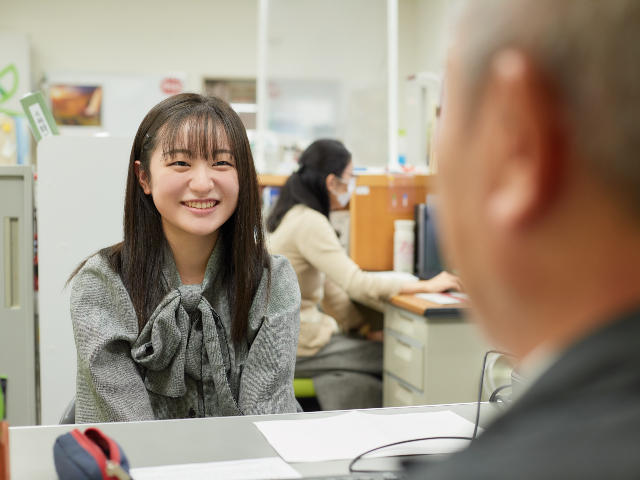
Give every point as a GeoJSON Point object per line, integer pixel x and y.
{"type": "Point", "coordinates": [80, 194]}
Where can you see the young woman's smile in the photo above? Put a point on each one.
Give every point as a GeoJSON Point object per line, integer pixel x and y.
{"type": "Point", "coordinates": [201, 206]}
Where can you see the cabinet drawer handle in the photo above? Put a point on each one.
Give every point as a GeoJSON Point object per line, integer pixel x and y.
{"type": "Point", "coordinates": [11, 262]}
{"type": "Point", "coordinates": [405, 325]}
{"type": "Point", "coordinates": [403, 350]}
{"type": "Point", "coordinates": [404, 394]}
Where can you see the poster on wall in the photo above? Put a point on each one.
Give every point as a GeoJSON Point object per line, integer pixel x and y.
{"type": "Point", "coordinates": [107, 103]}
{"type": "Point", "coordinates": [76, 104]}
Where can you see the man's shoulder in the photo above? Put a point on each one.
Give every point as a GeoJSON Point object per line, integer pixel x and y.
{"type": "Point", "coordinates": [562, 440]}
{"type": "Point", "coordinates": [580, 419]}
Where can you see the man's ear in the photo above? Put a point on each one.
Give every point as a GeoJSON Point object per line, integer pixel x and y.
{"type": "Point", "coordinates": [143, 178]}
{"type": "Point", "coordinates": [530, 161]}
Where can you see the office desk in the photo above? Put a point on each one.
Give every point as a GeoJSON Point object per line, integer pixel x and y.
{"type": "Point", "coordinates": [170, 442]}
{"type": "Point", "coordinates": [432, 354]}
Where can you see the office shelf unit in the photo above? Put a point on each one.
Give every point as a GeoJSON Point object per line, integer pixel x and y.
{"type": "Point", "coordinates": [18, 341]}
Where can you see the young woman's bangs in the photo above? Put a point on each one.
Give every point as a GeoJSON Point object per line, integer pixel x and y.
{"type": "Point", "coordinates": [198, 136]}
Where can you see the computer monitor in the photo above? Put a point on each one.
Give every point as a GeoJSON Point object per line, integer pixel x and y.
{"type": "Point", "coordinates": [428, 261]}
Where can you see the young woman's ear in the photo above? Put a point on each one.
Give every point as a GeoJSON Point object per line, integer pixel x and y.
{"type": "Point", "coordinates": [143, 178]}
{"type": "Point", "coordinates": [330, 182]}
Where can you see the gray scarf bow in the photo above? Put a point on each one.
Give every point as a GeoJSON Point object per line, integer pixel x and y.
{"type": "Point", "coordinates": [170, 346]}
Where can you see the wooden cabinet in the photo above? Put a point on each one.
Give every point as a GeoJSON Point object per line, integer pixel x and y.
{"type": "Point", "coordinates": [376, 203]}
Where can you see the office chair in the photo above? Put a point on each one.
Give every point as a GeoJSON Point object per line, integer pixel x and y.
{"type": "Point", "coordinates": [69, 414]}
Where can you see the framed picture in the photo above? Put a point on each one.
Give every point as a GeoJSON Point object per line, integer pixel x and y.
{"type": "Point", "coordinates": [79, 105]}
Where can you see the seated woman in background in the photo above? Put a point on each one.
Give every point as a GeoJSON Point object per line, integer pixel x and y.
{"type": "Point", "coordinates": [189, 316]}
{"type": "Point", "coordinates": [346, 371]}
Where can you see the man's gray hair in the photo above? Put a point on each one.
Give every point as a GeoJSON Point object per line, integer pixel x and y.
{"type": "Point", "coordinates": [590, 52]}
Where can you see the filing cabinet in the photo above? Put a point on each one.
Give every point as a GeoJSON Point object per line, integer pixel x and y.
{"type": "Point", "coordinates": [18, 329]}
{"type": "Point", "coordinates": [430, 359]}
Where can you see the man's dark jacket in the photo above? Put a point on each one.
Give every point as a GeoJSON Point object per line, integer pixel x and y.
{"type": "Point", "coordinates": [580, 420]}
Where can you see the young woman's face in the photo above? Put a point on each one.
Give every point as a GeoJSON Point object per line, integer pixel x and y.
{"type": "Point", "coordinates": [339, 186]}
{"type": "Point", "coordinates": [194, 196]}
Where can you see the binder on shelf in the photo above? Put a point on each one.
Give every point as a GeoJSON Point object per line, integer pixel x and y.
{"type": "Point", "coordinates": [428, 262]}
{"type": "Point", "coordinates": [3, 395]}
{"type": "Point", "coordinates": [40, 119]}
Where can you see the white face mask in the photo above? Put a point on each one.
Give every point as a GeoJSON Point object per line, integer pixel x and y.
{"type": "Point", "coordinates": [343, 198]}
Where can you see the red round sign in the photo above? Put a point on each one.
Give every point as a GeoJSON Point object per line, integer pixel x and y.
{"type": "Point", "coordinates": [171, 86]}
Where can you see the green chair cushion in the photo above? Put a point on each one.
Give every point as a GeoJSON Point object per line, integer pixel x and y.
{"type": "Point", "coordinates": [303, 388]}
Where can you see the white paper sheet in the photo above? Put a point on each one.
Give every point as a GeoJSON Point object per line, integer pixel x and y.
{"type": "Point", "coordinates": [346, 436]}
{"type": "Point", "coordinates": [422, 425]}
{"type": "Point", "coordinates": [251, 469]}
{"type": "Point", "coordinates": [460, 295]}
{"type": "Point", "coordinates": [439, 298]}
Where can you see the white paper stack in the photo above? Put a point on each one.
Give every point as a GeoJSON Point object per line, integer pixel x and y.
{"type": "Point", "coordinates": [443, 298]}
{"type": "Point", "coordinates": [348, 435]}
{"type": "Point", "coordinates": [250, 469]}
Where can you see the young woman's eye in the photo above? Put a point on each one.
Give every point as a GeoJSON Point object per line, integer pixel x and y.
{"type": "Point", "coordinates": [180, 163]}
{"type": "Point", "coordinates": [221, 163]}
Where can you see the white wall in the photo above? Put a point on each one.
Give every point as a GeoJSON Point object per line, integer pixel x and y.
{"type": "Point", "coordinates": [422, 42]}
{"type": "Point", "coordinates": [432, 34]}
{"type": "Point", "coordinates": [200, 37]}
{"type": "Point", "coordinates": [205, 38]}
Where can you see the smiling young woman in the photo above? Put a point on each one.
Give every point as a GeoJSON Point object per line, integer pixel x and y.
{"type": "Point", "coordinates": [189, 316]}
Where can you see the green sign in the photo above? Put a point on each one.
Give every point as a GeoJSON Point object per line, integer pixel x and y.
{"type": "Point", "coordinates": [9, 81]}
{"type": "Point", "coordinates": [40, 119]}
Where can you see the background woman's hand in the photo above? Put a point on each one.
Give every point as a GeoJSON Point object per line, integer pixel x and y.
{"type": "Point", "coordinates": [440, 283]}
{"type": "Point", "coordinates": [375, 336]}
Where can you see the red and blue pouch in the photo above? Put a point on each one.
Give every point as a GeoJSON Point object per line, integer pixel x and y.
{"type": "Point", "coordinates": [91, 455]}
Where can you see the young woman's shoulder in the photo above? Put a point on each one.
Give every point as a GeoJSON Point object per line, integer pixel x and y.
{"type": "Point", "coordinates": [285, 290]}
{"type": "Point", "coordinates": [96, 270]}
{"type": "Point", "coordinates": [307, 213]}
{"type": "Point", "coordinates": [305, 219]}
{"type": "Point", "coordinates": [98, 294]}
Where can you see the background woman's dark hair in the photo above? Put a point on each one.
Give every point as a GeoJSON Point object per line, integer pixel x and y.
{"type": "Point", "coordinates": [308, 185]}
{"type": "Point", "coordinates": [198, 124]}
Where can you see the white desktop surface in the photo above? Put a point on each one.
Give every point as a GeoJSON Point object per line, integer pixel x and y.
{"type": "Point", "coordinates": [171, 442]}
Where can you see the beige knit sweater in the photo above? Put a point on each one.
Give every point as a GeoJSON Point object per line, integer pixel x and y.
{"type": "Point", "coordinates": [327, 277]}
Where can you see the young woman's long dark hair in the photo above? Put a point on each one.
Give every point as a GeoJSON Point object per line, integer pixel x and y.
{"type": "Point", "coordinates": [198, 124]}
{"type": "Point", "coordinates": [308, 185]}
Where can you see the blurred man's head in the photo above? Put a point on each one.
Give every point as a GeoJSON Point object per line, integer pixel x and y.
{"type": "Point", "coordinates": [540, 165]}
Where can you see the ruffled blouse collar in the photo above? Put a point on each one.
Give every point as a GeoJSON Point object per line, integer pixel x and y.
{"type": "Point", "coordinates": [170, 344]}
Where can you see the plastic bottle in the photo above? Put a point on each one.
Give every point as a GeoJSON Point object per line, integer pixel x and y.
{"type": "Point", "coordinates": [402, 148]}
{"type": "Point", "coordinates": [403, 245]}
